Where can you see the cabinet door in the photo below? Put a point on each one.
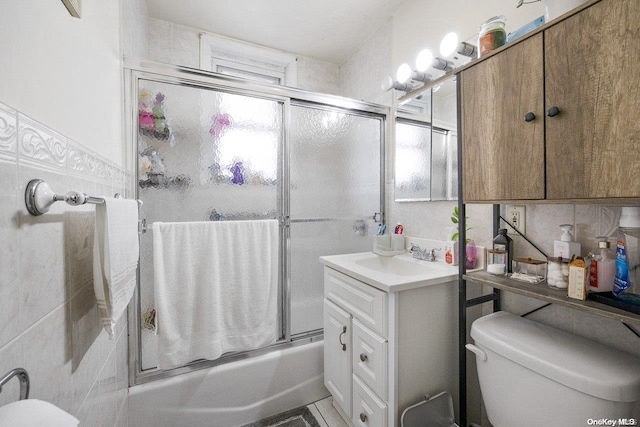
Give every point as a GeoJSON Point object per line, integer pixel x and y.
{"type": "Point", "coordinates": [592, 70]}
{"type": "Point", "coordinates": [337, 354]}
{"type": "Point", "coordinates": [502, 154]}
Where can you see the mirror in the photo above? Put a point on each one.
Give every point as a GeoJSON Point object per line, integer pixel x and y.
{"type": "Point", "coordinates": [426, 160]}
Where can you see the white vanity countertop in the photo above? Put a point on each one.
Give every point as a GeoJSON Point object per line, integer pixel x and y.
{"type": "Point", "coordinates": [391, 274]}
{"type": "Point", "coordinates": [400, 272]}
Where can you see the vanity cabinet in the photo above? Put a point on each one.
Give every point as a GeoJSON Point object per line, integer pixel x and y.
{"type": "Point", "coordinates": [384, 351]}
{"type": "Point", "coordinates": [579, 80]}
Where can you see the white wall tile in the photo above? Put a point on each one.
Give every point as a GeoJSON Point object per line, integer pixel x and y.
{"type": "Point", "coordinates": [8, 131]}
{"type": "Point", "coordinates": [47, 358]}
{"type": "Point", "coordinates": [185, 46]}
{"type": "Point", "coordinates": [49, 322]}
{"type": "Point", "coordinates": [159, 37]}
{"type": "Point", "coordinates": [9, 260]}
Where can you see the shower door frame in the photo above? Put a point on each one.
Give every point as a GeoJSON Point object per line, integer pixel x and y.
{"type": "Point", "coordinates": [135, 70]}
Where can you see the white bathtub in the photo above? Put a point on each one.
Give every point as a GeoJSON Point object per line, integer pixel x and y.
{"type": "Point", "coordinates": [232, 394]}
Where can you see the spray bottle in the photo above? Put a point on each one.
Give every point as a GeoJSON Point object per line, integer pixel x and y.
{"type": "Point", "coordinates": [626, 285]}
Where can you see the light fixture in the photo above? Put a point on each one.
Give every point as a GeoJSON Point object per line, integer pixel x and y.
{"type": "Point", "coordinates": [467, 49]}
{"type": "Point", "coordinates": [419, 76]}
{"type": "Point", "coordinates": [424, 59]}
{"type": "Point", "coordinates": [404, 73]}
{"type": "Point", "coordinates": [448, 44]}
{"type": "Point", "coordinates": [442, 64]}
{"type": "Point", "coordinates": [388, 83]}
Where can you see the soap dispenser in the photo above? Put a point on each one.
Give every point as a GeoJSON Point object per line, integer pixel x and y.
{"type": "Point", "coordinates": [566, 247]}
{"type": "Point", "coordinates": [602, 267]}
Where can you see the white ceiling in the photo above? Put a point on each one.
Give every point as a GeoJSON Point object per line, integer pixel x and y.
{"type": "Point", "coordinates": [329, 30]}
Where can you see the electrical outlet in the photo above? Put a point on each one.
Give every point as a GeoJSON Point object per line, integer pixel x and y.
{"type": "Point", "coordinates": [516, 217]}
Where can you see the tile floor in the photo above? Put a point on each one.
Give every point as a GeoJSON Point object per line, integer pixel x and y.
{"type": "Point", "coordinates": [326, 414]}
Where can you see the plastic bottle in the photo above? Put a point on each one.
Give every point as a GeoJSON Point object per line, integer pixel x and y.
{"type": "Point", "coordinates": [505, 243]}
{"type": "Point", "coordinates": [626, 285]}
{"type": "Point", "coordinates": [602, 267]}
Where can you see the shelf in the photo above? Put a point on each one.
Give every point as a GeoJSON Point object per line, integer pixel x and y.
{"type": "Point", "coordinates": [542, 292]}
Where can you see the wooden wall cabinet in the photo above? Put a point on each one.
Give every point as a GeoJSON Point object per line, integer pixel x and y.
{"type": "Point", "coordinates": [580, 78]}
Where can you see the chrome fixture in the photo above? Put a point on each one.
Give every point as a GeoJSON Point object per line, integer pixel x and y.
{"type": "Point", "coordinates": [389, 83]}
{"type": "Point", "coordinates": [39, 197]}
{"type": "Point", "coordinates": [423, 254]}
{"type": "Point", "coordinates": [24, 381]}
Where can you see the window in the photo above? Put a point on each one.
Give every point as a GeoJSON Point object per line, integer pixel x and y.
{"type": "Point", "coordinates": [235, 58]}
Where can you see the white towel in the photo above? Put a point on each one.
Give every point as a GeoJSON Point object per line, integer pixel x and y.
{"type": "Point", "coordinates": [216, 286]}
{"type": "Point", "coordinates": [115, 258]}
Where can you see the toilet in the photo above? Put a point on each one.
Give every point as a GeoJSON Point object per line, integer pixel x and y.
{"type": "Point", "coordinates": [535, 375]}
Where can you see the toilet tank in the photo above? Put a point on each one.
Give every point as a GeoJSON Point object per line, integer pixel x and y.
{"type": "Point", "coordinates": [535, 375]}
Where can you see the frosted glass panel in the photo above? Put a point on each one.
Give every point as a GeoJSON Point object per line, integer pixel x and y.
{"type": "Point", "coordinates": [203, 155]}
{"type": "Point", "coordinates": [413, 161]}
{"type": "Point", "coordinates": [309, 241]}
{"type": "Point", "coordinates": [334, 192]}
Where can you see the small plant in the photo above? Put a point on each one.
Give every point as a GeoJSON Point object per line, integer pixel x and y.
{"type": "Point", "coordinates": [455, 218]}
{"type": "Point", "coordinates": [521, 2]}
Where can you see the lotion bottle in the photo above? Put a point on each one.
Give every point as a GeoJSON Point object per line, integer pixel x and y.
{"type": "Point", "coordinates": [602, 267]}
{"type": "Point", "coordinates": [566, 247]}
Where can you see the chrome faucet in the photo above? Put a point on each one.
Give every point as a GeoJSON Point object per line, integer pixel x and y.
{"type": "Point", "coordinates": [423, 254]}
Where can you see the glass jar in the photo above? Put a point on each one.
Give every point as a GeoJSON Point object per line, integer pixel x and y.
{"type": "Point", "coordinates": [558, 273]}
{"type": "Point", "coordinates": [497, 262]}
{"type": "Point", "coordinates": [492, 35]}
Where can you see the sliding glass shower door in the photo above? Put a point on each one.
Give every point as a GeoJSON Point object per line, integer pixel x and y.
{"type": "Point", "coordinates": [206, 148]}
{"type": "Point", "coordinates": [334, 192]}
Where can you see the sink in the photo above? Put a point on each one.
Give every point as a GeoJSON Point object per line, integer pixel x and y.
{"type": "Point", "coordinates": [398, 265]}
{"type": "Point", "coordinates": [391, 274]}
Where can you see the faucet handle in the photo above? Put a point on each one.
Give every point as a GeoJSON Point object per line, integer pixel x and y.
{"type": "Point", "coordinates": [413, 247]}
{"type": "Point", "coordinates": [432, 253]}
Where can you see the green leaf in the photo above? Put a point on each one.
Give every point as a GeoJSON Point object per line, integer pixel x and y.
{"type": "Point", "coordinates": [454, 220]}
{"type": "Point", "coordinates": [454, 236]}
{"type": "Point", "coordinates": [456, 211]}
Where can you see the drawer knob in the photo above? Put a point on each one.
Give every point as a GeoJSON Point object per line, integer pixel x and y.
{"type": "Point", "coordinates": [344, 331]}
{"type": "Point", "coordinates": [363, 418]}
{"type": "Point", "coordinates": [363, 357]}
{"type": "Point", "coordinates": [529, 117]}
{"type": "Point", "coordinates": [553, 111]}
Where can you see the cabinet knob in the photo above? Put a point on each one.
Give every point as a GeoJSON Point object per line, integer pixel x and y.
{"type": "Point", "coordinates": [363, 357]}
{"type": "Point", "coordinates": [344, 331]}
{"type": "Point", "coordinates": [529, 117]}
{"type": "Point", "coordinates": [363, 417]}
{"type": "Point", "coordinates": [553, 111]}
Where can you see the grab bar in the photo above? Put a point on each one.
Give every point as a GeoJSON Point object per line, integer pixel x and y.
{"type": "Point", "coordinates": [24, 381]}
{"type": "Point", "coordinates": [39, 197]}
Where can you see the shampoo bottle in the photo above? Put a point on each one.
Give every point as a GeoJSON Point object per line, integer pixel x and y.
{"type": "Point", "coordinates": [626, 285]}
{"type": "Point", "coordinates": [602, 268]}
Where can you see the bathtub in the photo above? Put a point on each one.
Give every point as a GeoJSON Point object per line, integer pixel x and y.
{"type": "Point", "coordinates": [232, 394]}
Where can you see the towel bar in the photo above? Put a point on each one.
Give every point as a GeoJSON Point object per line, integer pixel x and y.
{"type": "Point", "coordinates": [24, 381]}
{"type": "Point", "coordinates": [39, 197]}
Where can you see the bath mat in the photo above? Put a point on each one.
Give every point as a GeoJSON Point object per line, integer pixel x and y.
{"type": "Point", "coordinates": [299, 417]}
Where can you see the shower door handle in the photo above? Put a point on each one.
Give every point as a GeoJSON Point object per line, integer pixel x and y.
{"type": "Point", "coordinates": [344, 331]}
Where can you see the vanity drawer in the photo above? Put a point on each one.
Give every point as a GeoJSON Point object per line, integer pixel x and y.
{"type": "Point", "coordinates": [369, 356]}
{"type": "Point", "coordinates": [366, 303]}
{"type": "Point", "coordinates": [368, 409]}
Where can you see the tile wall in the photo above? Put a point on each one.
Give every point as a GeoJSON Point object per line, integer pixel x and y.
{"type": "Point", "coordinates": [179, 45]}
{"type": "Point", "coordinates": [49, 321]}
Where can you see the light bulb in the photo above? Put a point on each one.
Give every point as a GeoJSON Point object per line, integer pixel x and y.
{"type": "Point", "coordinates": [448, 44]}
{"type": "Point", "coordinates": [423, 61]}
{"type": "Point", "coordinates": [404, 73]}
{"type": "Point", "coordinates": [387, 83]}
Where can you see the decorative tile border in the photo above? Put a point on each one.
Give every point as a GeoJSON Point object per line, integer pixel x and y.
{"type": "Point", "coordinates": [35, 144]}
{"type": "Point", "coordinates": [8, 121]}
{"type": "Point", "coordinates": [39, 144]}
